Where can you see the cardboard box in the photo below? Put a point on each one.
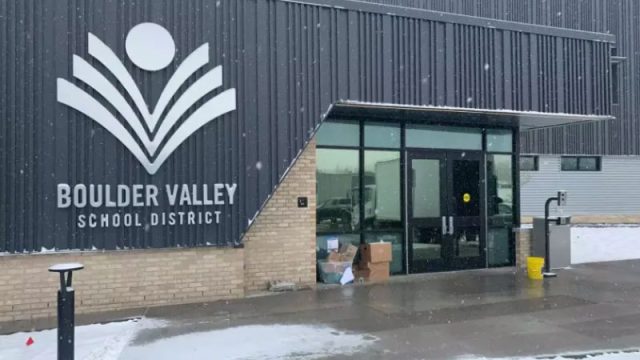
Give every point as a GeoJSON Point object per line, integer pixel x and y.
{"type": "Point", "coordinates": [374, 266]}
{"type": "Point", "coordinates": [374, 271]}
{"type": "Point", "coordinates": [348, 252]}
{"type": "Point", "coordinates": [334, 256]}
{"type": "Point", "coordinates": [375, 252]}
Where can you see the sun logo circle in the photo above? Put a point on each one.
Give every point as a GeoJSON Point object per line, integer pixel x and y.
{"type": "Point", "coordinates": [150, 46]}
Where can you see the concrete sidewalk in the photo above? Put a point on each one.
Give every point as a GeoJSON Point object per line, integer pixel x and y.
{"type": "Point", "coordinates": [492, 313]}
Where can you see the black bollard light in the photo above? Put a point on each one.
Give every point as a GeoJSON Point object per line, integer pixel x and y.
{"type": "Point", "coordinates": [66, 311]}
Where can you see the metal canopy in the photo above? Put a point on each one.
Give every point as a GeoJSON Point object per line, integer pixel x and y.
{"type": "Point", "coordinates": [525, 120]}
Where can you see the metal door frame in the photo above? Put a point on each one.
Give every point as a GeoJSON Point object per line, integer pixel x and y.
{"type": "Point", "coordinates": [447, 156]}
{"type": "Point", "coordinates": [426, 154]}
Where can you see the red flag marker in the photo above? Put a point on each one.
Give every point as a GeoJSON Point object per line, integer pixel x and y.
{"type": "Point", "coordinates": [30, 341]}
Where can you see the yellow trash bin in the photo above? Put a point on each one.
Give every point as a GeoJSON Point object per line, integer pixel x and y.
{"type": "Point", "coordinates": [534, 267]}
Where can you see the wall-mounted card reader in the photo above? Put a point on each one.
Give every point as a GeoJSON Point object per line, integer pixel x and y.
{"type": "Point", "coordinates": [562, 198]}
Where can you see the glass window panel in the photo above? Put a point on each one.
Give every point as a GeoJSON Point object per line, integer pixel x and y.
{"type": "Point", "coordinates": [466, 242]}
{"type": "Point", "coordinates": [425, 188]}
{"type": "Point", "coordinates": [498, 240]}
{"type": "Point", "coordinates": [569, 163]}
{"type": "Point", "coordinates": [382, 135]}
{"type": "Point", "coordinates": [382, 190]}
{"type": "Point", "coordinates": [499, 140]}
{"type": "Point", "coordinates": [337, 133]}
{"type": "Point", "coordinates": [528, 163]}
{"type": "Point", "coordinates": [499, 189]}
{"type": "Point", "coordinates": [466, 187]}
{"type": "Point", "coordinates": [426, 244]}
{"type": "Point", "coordinates": [588, 164]}
{"type": "Point", "coordinates": [396, 248]}
{"type": "Point", "coordinates": [337, 176]}
{"type": "Point", "coordinates": [443, 137]}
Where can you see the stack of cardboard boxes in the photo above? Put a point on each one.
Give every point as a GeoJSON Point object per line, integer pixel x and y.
{"type": "Point", "coordinates": [375, 260]}
{"type": "Point", "coordinates": [334, 266]}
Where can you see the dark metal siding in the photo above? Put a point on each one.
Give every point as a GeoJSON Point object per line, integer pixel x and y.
{"type": "Point", "coordinates": [288, 62]}
{"type": "Point", "coordinates": [617, 17]}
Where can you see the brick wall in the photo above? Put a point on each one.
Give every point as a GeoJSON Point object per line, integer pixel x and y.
{"type": "Point", "coordinates": [280, 245]}
{"type": "Point", "coordinates": [115, 280]}
{"type": "Point", "coordinates": [523, 247]}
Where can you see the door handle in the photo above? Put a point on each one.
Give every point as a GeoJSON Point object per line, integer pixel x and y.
{"type": "Point", "coordinates": [444, 225]}
{"type": "Point", "coordinates": [450, 225]}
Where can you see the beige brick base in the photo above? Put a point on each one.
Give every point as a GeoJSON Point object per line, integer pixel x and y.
{"type": "Point", "coordinates": [280, 245]}
{"type": "Point", "coordinates": [523, 247]}
{"type": "Point", "coordinates": [116, 280]}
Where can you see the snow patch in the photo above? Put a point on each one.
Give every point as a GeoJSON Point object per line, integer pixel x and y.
{"type": "Point", "coordinates": [599, 355]}
{"type": "Point", "coordinates": [93, 342]}
{"type": "Point", "coordinates": [596, 244]}
{"type": "Point", "coordinates": [256, 342]}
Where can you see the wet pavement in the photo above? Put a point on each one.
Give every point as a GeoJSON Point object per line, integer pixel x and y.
{"type": "Point", "coordinates": [484, 313]}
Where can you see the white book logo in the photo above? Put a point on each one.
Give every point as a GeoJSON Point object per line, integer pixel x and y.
{"type": "Point", "coordinates": [152, 139]}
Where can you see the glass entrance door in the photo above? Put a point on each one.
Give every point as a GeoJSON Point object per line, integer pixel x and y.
{"type": "Point", "coordinates": [445, 223]}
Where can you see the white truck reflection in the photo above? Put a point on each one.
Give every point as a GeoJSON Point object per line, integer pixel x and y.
{"type": "Point", "coordinates": [381, 199]}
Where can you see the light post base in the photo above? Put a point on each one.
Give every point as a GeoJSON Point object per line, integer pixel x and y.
{"type": "Point", "coordinates": [549, 274]}
{"type": "Point", "coordinates": [66, 309]}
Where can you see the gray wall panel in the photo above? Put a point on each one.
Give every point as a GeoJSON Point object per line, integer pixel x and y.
{"type": "Point", "coordinates": [617, 17]}
{"type": "Point", "coordinates": [288, 62]}
{"type": "Point", "coordinates": [607, 192]}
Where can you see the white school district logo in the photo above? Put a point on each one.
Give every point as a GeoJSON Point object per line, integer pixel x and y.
{"type": "Point", "coordinates": [152, 139]}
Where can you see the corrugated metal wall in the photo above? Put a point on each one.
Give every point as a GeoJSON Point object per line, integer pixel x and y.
{"type": "Point", "coordinates": [607, 192]}
{"type": "Point", "coordinates": [288, 62]}
{"type": "Point", "coordinates": [618, 17]}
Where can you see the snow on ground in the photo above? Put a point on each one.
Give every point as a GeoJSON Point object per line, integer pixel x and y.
{"type": "Point", "coordinates": [264, 342]}
{"type": "Point", "coordinates": [595, 244]}
{"type": "Point", "coordinates": [95, 342]}
{"type": "Point", "coordinates": [112, 341]}
{"type": "Point", "coordinates": [601, 355]}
